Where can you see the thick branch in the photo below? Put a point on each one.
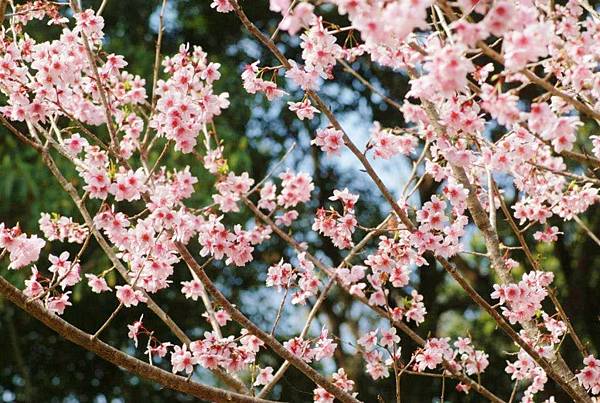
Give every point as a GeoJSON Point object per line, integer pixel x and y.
{"type": "Point", "coordinates": [117, 357]}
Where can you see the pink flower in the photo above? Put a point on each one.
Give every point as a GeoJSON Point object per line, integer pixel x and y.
{"type": "Point", "coordinates": [32, 287]}
{"type": "Point", "coordinates": [369, 340]}
{"type": "Point", "coordinates": [75, 144]}
{"type": "Point", "coordinates": [550, 234]}
{"type": "Point", "coordinates": [221, 316]}
{"type": "Point", "coordinates": [268, 196]}
{"type": "Point", "coordinates": [71, 276]}
{"type": "Point", "coordinates": [287, 218]}
{"type": "Point", "coordinates": [280, 275]}
{"type": "Point", "coordinates": [160, 351]}
{"type": "Point", "coordinates": [128, 296]}
{"type": "Point", "coordinates": [62, 229]}
{"type": "Point", "coordinates": [468, 33]}
{"type": "Point", "coordinates": [57, 305]}
{"type": "Point", "coordinates": [389, 338]}
{"type": "Point", "coordinates": [279, 6]}
{"type": "Point", "coordinates": [348, 199]}
{"type": "Point", "coordinates": [329, 139]}
{"type": "Point", "coordinates": [89, 23]}
{"type": "Point", "coordinates": [97, 284]}
{"type": "Point", "coordinates": [523, 46]}
{"type": "Point", "coordinates": [320, 50]}
{"type": "Point", "coordinates": [300, 16]}
{"type": "Point", "coordinates": [522, 300]}
{"type": "Point", "coordinates": [562, 133]}
{"type": "Point", "coordinates": [447, 70]}
{"type": "Point", "coordinates": [324, 347]}
{"type": "Point", "coordinates": [128, 185]}
{"type": "Point", "coordinates": [254, 84]}
{"type": "Point", "coordinates": [500, 18]}
{"type": "Point", "coordinates": [589, 376]}
{"type": "Point", "coordinates": [464, 388]}
{"type": "Point", "coordinates": [386, 145]}
{"type": "Point", "coordinates": [264, 376]}
{"type": "Point", "coordinates": [134, 330]}
{"type": "Point", "coordinates": [222, 6]}
{"type": "Point", "coordinates": [303, 109]}
{"type": "Point", "coordinates": [296, 189]}
{"type": "Point", "coordinates": [182, 107]}
{"type": "Point", "coordinates": [305, 79]}
{"type": "Point", "coordinates": [430, 358]}
{"type": "Point", "coordinates": [192, 289]}
{"type": "Point", "coordinates": [300, 348]}
{"type": "Point", "coordinates": [60, 263]}
{"type": "Point", "coordinates": [22, 250]}
{"type": "Point", "coordinates": [182, 360]}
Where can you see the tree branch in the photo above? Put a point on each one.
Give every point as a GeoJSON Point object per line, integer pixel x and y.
{"type": "Point", "coordinates": [117, 357]}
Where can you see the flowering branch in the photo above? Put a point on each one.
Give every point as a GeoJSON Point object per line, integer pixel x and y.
{"type": "Point", "coordinates": [116, 357]}
{"type": "Point", "coordinates": [265, 337]}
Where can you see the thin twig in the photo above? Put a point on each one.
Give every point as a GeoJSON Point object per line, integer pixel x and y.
{"type": "Point", "coordinates": [586, 229]}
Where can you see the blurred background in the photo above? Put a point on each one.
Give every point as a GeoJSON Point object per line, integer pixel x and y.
{"type": "Point", "coordinates": [38, 366]}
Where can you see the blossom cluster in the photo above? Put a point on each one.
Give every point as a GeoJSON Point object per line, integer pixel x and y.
{"type": "Point", "coordinates": [61, 228]}
{"type": "Point", "coordinates": [214, 352]}
{"type": "Point", "coordinates": [522, 300]}
{"type": "Point", "coordinates": [186, 100]}
{"type": "Point", "coordinates": [22, 249]}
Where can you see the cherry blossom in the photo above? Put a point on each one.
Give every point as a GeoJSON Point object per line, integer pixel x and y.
{"type": "Point", "coordinates": [97, 284]}
{"type": "Point", "coordinates": [62, 229]}
{"type": "Point", "coordinates": [134, 330]}
{"type": "Point", "coordinates": [330, 140]}
{"type": "Point", "coordinates": [128, 296]}
{"type": "Point", "coordinates": [589, 376]}
{"type": "Point", "coordinates": [304, 109]}
{"type": "Point", "coordinates": [264, 376]}
{"type": "Point", "coordinates": [182, 360]}
{"type": "Point", "coordinates": [22, 249]}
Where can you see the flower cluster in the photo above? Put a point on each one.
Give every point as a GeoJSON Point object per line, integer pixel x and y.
{"type": "Point", "coordinates": [320, 50]}
{"type": "Point", "coordinates": [522, 300]}
{"type": "Point", "coordinates": [253, 82]}
{"type": "Point", "coordinates": [284, 276]}
{"type": "Point", "coordinates": [340, 379]}
{"type": "Point", "coordinates": [61, 228]}
{"type": "Point", "coordinates": [212, 352]}
{"type": "Point", "coordinates": [295, 16]}
{"type": "Point", "coordinates": [312, 350]}
{"type": "Point", "coordinates": [338, 226]}
{"type": "Point", "coordinates": [386, 144]}
{"type": "Point", "coordinates": [447, 69]}
{"type": "Point", "coordinates": [330, 140]}
{"type": "Point", "coordinates": [22, 250]}
{"type": "Point", "coordinates": [187, 102]}
{"type": "Point", "coordinates": [462, 357]}
{"type": "Point", "coordinates": [589, 376]}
